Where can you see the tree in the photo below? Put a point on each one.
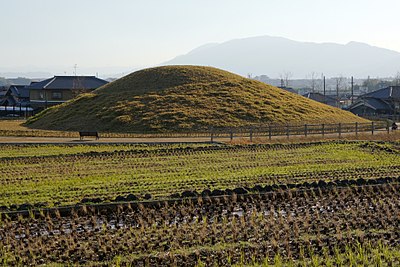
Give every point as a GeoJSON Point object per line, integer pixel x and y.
{"type": "Point", "coordinates": [339, 84]}
{"type": "Point", "coordinates": [78, 87]}
{"type": "Point", "coordinates": [396, 80]}
{"type": "Point", "coordinates": [313, 80]}
{"type": "Point", "coordinates": [3, 81]}
{"type": "Point", "coordinates": [285, 76]}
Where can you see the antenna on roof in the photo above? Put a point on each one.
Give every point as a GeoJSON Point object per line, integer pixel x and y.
{"type": "Point", "coordinates": [75, 67]}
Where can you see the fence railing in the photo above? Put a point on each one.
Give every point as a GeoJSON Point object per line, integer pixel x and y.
{"type": "Point", "coordinates": [265, 131]}
{"type": "Point", "coordinates": [16, 111]}
{"type": "Point", "coordinates": [303, 130]}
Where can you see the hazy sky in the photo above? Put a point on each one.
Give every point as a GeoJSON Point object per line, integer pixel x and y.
{"type": "Point", "coordinates": [53, 35]}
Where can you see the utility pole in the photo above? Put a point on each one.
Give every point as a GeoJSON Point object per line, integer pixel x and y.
{"type": "Point", "coordinates": [337, 93]}
{"type": "Point", "coordinates": [75, 67]}
{"type": "Point", "coordinates": [324, 91]}
{"type": "Point", "coordinates": [352, 89]}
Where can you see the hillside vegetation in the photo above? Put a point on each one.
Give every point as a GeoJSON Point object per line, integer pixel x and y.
{"type": "Point", "coordinates": [181, 98]}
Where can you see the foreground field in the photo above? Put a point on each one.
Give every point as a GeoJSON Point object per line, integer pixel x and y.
{"type": "Point", "coordinates": [54, 175]}
{"type": "Point", "coordinates": [308, 204]}
{"type": "Point", "coordinates": [341, 226]}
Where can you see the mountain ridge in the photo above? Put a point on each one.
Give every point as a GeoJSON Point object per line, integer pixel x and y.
{"type": "Point", "coordinates": [266, 55]}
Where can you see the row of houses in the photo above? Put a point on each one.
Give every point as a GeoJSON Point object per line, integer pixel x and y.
{"type": "Point", "coordinates": [384, 103]}
{"type": "Point", "coordinates": [37, 96]}
{"type": "Point", "coordinates": [343, 101]}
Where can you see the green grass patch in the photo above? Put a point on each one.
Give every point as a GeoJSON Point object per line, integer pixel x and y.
{"type": "Point", "coordinates": [66, 174]}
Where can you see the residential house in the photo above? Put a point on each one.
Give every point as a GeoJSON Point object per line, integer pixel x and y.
{"type": "Point", "coordinates": [289, 89]}
{"type": "Point", "coordinates": [328, 100]}
{"type": "Point", "coordinates": [60, 89]}
{"type": "Point", "coordinates": [3, 92]}
{"type": "Point", "coordinates": [14, 95]}
{"type": "Point", "coordinates": [14, 100]}
{"type": "Point", "coordinates": [382, 102]}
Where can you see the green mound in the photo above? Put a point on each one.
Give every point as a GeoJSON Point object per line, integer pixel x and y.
{"type": "Point", "coordinates": [179, 98]}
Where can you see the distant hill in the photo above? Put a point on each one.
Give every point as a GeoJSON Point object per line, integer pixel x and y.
{"type": "Point", "coordinates": [28, 74]}
{"type": "Point", "coordinates": [183, 98]}
{"type": "Point", "coordinates": [274, 55]}
{"type": "Point", "coordinates": [14, 81]}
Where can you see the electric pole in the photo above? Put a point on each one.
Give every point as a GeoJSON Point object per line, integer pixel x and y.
{"type": "Point", "coordinates": [337, 92]}
{"type": "Point", "coordinates": [352, 89]}
{"type": "Point", "coordinates": [324, 91]}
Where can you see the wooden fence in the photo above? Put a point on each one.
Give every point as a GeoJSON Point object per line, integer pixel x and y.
{"type": "Point", "coordinates": [212, 134]}
{"type": "Point", "coordinates": [303, 130]}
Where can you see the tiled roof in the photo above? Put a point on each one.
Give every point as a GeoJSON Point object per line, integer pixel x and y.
{"type": "Point", "coordinates": [3, 91]}
{"type": "Point", "coordinates": [385, 93]}
{"type": "Point", "coordinates": [319, 97]}
{"type": "Point", "coordinates": [20, 90]}
{"type": "Point", "coordinates": [69, 82]}
{"type": "Point", "coordinates": [373, 103]}
{"type": "Point", "coordinates": [289, 89]}
{"type": "Point", "coordinates": [15, 91]}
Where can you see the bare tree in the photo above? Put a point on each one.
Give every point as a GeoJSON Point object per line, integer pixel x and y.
{"type": "Point", "coordinates": [313, 80]}
{"type": "Point", "coordinates": [78, 87]}
{"type": "Point", "coordinates": [285, 76]}
{"type": "Point", "coordinates": [339, 84]}
{"type": "Point", "coordinates": [396, 79]}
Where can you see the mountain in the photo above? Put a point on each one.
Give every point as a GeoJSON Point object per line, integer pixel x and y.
{"type": "Point", "coordinates": [274, 56]}
{"type": "Point", "coordinates": [28, 75]}
{"type": "Point", "coordinates": [15, 81]}
{"type": "Point", "coordinates": [184, 98]}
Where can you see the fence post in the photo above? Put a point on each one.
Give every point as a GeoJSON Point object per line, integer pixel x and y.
{"type": "Point", "coordinates": [356, 128]}
{"type": "Point", "coordinates": [287, 131]}
{"type": "Point", "coordinates": [372, 128]}
{"type": "Point", "coordinates": [323, 130]}
{"type": "Point", "coordinates": [251, 134]}
{"type": "Point", "coordinates": [388, 127]}
{"type": "Point", "coordinates": [340, 130]}
{"type": "Point", "coordinates": [212, 135]}
{"type": "Point", "coordinates": [269, 132]}
{"type": "Point", "coordinates": [305, 130]}
{"type": "Point", "coordinates": [231, 134]}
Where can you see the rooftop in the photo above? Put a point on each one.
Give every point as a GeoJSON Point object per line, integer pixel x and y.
{"type": "Point", "coordinates": [384, 93]}
{"type": "Point", "coordinates": [69, 82]}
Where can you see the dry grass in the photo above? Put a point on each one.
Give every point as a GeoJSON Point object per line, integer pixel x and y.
{"type": "Point", "coordinates": [13, 125]}
{"type": "Point", "coordinates": [393, 136]}
{"type": "Point", "coordinates": [16, 128]}
{"type": "Point", "coordinates": [185, 98]}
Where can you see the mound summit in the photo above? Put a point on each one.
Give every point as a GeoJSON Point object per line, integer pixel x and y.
{"type": "Point", "coordinates": [179, 98]}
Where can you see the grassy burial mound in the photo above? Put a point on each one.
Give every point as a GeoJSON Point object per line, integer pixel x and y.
{"type": "Point", "coordinates": [179, 98]}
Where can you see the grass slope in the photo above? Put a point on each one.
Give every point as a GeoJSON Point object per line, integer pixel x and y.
{"type": "Point", "coordinates": [178, 98]}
